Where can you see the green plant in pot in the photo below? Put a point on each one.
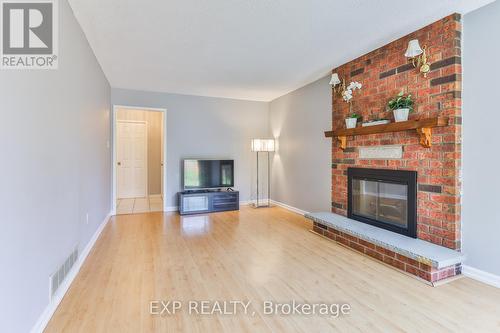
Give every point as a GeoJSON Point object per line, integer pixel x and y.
{"type": "Point", "coordinates": [401, 105]}
{"type": "Point", "coordinates": [352, 120]}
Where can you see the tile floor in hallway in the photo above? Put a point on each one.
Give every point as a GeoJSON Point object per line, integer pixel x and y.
{"type": "Point", "coordinates": [153, 203]}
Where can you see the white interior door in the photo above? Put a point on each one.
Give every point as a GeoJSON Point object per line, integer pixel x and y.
{"type": "Point", "coordinates": [131, 157]}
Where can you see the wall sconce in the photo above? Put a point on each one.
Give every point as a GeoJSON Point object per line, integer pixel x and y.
{"type": "Point", "coordinates": [418, 57]}
{"type": "Point", "coordinates": [336, 81]}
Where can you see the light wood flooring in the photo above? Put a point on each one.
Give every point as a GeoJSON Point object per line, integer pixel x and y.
{"type": "Point", "coordinates": [256, 255]}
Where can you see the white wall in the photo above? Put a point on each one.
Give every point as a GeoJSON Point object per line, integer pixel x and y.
{"type": "Point", "coordinates": [302, 165]}
{"type": "Point", "coordinates": [55, 168]}
{"type": "Point", "coordinates": [481, 144]}
{"type": "Point", "coordinates": [204, 127]}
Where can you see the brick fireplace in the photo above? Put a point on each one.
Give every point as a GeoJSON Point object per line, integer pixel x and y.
{"type": "Point", "coordinates": [384, 72]}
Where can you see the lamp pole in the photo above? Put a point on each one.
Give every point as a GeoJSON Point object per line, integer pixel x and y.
{"type": "Point", "coordinates": [263, 145]}
{"type": "Point", "coordinates": [257, 204]}
{"type": "Point", "coordinates": [268, 181]}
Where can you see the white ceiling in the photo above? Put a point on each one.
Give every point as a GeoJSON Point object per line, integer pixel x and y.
{"type": "Point", "coordinates": [245, 49]}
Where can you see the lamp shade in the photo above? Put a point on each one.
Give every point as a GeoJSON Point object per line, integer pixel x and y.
{"type": "Point", "coordinates": [262, 145]}
{"type": "Point", "coordinates": [413, 49]}
{"type": "Point", "coordinates": [335, 79]}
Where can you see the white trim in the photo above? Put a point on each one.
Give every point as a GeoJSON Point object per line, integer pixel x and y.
{"type": "Point", "coordinates": [482, 276]}
{"type": "Point", "coordinates": [143, 108]}
{"type": "Point", "coordinates": [113, 167]}
{"type": "Point", "coordinates": [253, 202]}
{"type": "Point", "coordinates": [162, 155]}
{"type": "Point", "coordinates": [171, 209]}
{"type": "Point", "coordinates": [47, 314]}
{"type": "Point", "coordinates": [290, 208]}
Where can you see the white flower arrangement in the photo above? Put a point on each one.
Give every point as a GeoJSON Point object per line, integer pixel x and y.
{"type": "Point", "coordinates": [347, 93]}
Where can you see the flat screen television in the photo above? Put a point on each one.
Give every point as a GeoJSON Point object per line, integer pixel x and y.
{"type": "Point", "coordinates": [206, 174]}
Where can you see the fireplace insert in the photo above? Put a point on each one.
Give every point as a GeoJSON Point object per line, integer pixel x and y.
{"type": "Point", "coordinates": [384, 198]}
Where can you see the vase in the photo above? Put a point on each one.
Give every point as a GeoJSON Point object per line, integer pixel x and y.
{"type": "Point", "coordinates": [351, 122]}
{"type": "Point", "coordinates": [401, 114]}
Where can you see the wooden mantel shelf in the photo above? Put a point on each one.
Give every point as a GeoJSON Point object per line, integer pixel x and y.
{"type": "Point", "coordinates": [422, 126]}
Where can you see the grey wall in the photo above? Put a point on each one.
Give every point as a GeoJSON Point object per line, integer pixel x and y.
{"type": "Point", "coordinates": [302, 165]}
{"type": "Point", "coordinates": [481, 153]}
{"type": "Point", "coordinates": [204, 127]}
{"type": "Point", "coordinates": [55, 168]}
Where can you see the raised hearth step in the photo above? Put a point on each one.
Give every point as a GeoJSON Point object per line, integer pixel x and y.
{"type": "Point", "coordinates": [417, 249]}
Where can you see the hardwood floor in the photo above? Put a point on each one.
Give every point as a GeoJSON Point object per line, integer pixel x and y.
{"type": "Point", "coordinates": [256, 255]}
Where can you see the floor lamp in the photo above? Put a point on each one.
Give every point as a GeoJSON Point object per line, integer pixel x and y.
{"type": "Point", "coordinates": [263, 146]}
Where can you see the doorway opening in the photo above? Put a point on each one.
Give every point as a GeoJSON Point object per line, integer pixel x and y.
{"type": "Point", "coordinates": [138, 159]}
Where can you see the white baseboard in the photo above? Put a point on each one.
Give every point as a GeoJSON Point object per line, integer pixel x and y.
{"type": "Point", "coordinates": [44, 318]}
{"type": "Point", "coordinates": [277, 203]}
{"type": "Point", "coordinates": [482, 276]}
{"type": "Point", "coordinates": [171, 209]}
{"type": "Point", "coordinates": [253, 202]}
{"type": "Point", "coordinates": [290, 208]}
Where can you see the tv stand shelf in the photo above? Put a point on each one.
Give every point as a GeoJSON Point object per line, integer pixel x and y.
{"type": "Point", "coordinates": [422, 126]}
{"type": "Point", "coordinates": [197, 202]}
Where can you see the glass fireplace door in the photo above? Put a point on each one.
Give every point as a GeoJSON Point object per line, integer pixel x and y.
{"type": "Point", "coordinates": [381, 201]}
{"type": "Point", "coordinates": [383, 198]}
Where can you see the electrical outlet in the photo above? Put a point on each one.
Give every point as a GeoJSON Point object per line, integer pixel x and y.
{"type": "Point", "coordinates": [87, 218]}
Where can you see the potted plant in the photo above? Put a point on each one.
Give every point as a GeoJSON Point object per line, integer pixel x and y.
{"type": "Point", "coordinates": [401, 105]}
{"type": "Point", "coordinates": [352, 120]}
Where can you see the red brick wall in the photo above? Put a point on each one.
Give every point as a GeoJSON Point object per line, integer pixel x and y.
{"type": "Point", "coordinates": [385, 72]}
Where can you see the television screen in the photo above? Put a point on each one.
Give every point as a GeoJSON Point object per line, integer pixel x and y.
{"type": "Point", "coordinates": [200, 174]}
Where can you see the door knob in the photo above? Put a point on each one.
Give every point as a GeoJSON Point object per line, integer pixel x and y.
{"type": "Point", "coordinates": [119, 163]}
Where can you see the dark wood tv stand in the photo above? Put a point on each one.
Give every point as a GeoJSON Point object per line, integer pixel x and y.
{"type": "Point", "coordinates": [207, 201]}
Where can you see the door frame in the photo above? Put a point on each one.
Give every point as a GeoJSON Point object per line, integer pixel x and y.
{"type": "Point", "coordinates": [113, 166]}
{"type": "Point", "coordinates": [146, 144]}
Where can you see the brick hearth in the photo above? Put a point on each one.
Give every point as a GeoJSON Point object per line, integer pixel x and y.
{"type": "Point", "coordinates": [417, 257]}
{"type": "Point", "coordinates": [411, 266]}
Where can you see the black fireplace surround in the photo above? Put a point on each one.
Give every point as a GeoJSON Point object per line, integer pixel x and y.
{"type": "Point", "coordinates": [383, 198]}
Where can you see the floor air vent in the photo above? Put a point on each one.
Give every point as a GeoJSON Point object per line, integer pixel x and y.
{"type": "Point", "coordinates": [58, 277]}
